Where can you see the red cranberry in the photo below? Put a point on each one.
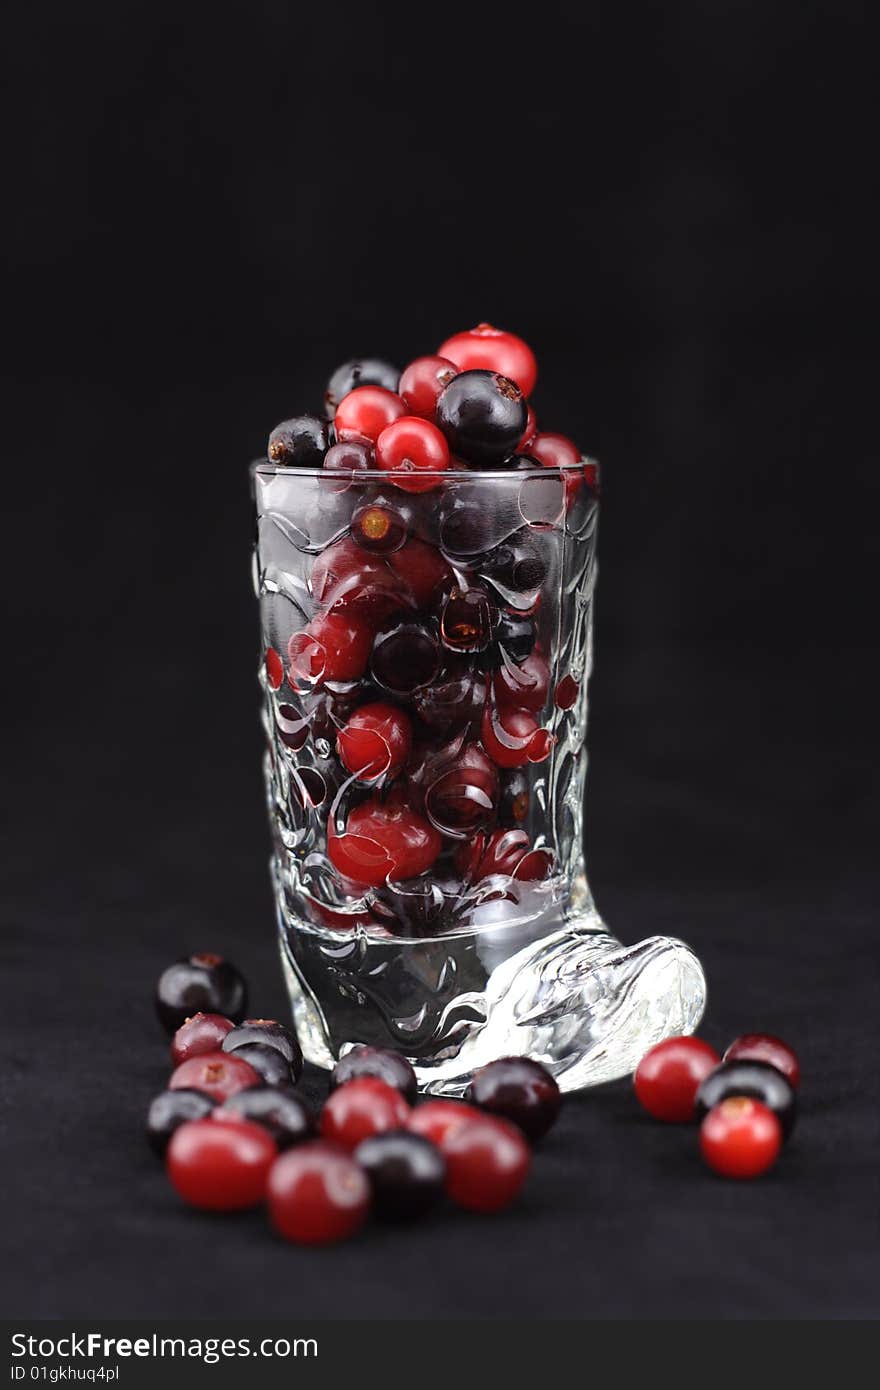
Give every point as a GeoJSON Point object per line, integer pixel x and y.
{"type": "Point", "coordinates": [414, 452]}
{"type": "Point", "coordinates": [220, 1167]}
{"type": "Point", "coordinates": [274, 668]}
{"type": "Point", "coordinates": [528, 433]}
{"type": "Point", "coordinates": [332, 647]}
{"type": "Point", "coordinates": [422, 382]}
{"type": "Point", "coordinates": [512, 737]}
{"type": "Point", "coordinates": [669, 1075]}
{"type": "Point", "coordinates": [361, 1107]}
{"type": "Point", "coordinates": [557, 451]}
{"type": "Point", "coordinates": [218, 1074]}
{"type": "Point", "coordinates": [317, 1195]}
{"type": "Point", "coordinates": [378, 1062]}
{"type": "Point", "coordinates": [363, 414]}
{"type": "Point", "coordinates": [422, 569]}
{"type": "Point", "coordinates": [487, 1163]}
{"type": "Point", "coordinates": [383, 840]}
{"type": "Point", "coordinates": [438, 1120]}
{"type": "Point", "coordinates": [763, 1047]}
{"type": "Point", "coordinates": [566, 692]}
{"type": "Point", "coordinates": [203, 983]}
{"type": "Point", "coordinates": [199, 1034]}
{"type": "Point", "coordinates": [461, 794]}
{"type": "Point", "coordinates": [740, 1138]}
{"type": "Point", "coordinates": [505, 852]}
{"type": "Point", "coordinates": [344, 461]}
{"type": "Point", "coordinates": [495, 351]}
{"type": "Point", "coordinates": [349, 580]}
{"type": "Point", "coordinates": [456, 698]}
{"type": "Point", "coordinates": [523, 686]}
{"type": "Point", "coordinates": [519, 1090]}
{"type": "Point", "coordinates": [375, 742]}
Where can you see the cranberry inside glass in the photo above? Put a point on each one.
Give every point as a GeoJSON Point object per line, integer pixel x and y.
{"type": "Point", "coordinates": [425, 651]}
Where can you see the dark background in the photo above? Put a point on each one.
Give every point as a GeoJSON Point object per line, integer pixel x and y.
{"type": "Point", "coordinates": [209, 209]}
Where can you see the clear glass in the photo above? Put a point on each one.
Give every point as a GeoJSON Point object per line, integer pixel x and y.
{"type": "Point", "coordinates": [456, 605]}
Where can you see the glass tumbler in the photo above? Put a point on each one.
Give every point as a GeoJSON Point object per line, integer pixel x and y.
{"type": "Point", "coordinates": [424, 667]}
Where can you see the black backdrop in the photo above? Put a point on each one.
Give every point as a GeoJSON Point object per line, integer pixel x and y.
{"type": "Point", "coordinates": [211, 207]}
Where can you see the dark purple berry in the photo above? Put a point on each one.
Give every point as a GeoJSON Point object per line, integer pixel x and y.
{"type": "Point", "coordinates": [299, 443]}
{"type": "Point", "coordinates": [202, 983]}
{"type": "Point", "coordinates": [278, 1109]}
{"type": "Point", "coordinates": [405, 658]}
{"type": "Point", "coordinates": [270, 1033]}
{"type": "Point", "coordinates": [483, 416]}
{"type": "Point", "coordinates": [379, 1062]}
{"type": "Point", "coordinates": [516, 567]}
{"type": "Point", "coordinates": [407, 1173]}
{"type": "Point", "coordinates": [519, 1090]}
{"type": "Point", "coordinates": [267, 1061]}
{"type": "Point", "coordinates": [758, 1080]}
{"type": "Point", "coordinates": [170, 1110]}
{"type": "Point", "coordinates": [361, 371]}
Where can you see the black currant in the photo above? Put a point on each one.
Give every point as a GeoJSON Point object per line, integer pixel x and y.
{"type": "Point", "coordinates": [362, 371]}
{"type": "Point", "coordinates": [519, 1090]}
{"type": "Point", "coordinates": [203, 983]}
{"type": "Point", "coordinates": [170, 1110]}
{"type": "Point", "coordinates": [277, 1108]}
{"type": "Point", "coordinates": [299, 443]}
{"type": "Point", "coordinates": [271, 1064]}
{"type": "Point", "coordinates": [407, 1173]}
{"type": "Point", "coordinates": [483, 416]}
{"type": "Point", "coordinates": [759, 1080]}
{"type": "Point", "coordinates": [380, 1062]}
{"type": "Point", "coordinates": [270, 1033]}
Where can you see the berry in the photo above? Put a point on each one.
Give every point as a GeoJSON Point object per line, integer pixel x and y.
{"type": "Point", "coordinates": [267, 1062]}
{"type": "Point", "coordinates": [348, 458]}
{"type": "Point", "coordinates": [487, 1163]}
{"type": "Point", "coordinates": [669, 1075]}
{"type": "Point", "coordinates": [422, 569]}
{"type": "Point", "coordinates": [218, 1074]}
{"type": "Point", "coordinates": [383, 840]}
{"type": "Point", "coordinates": [199, 1034]}
{"type": "Point", "coordinates": [740, 1138]}
{"type": "Point", "coordinates": [763, 1047]}
{"type": "Point", "coordinates": [512, 737]}
{"type": "Point", "coordinates": [516, 567]}
{"type": "Point", "coordinates": [519, 1090]}
{"type": "Point", "coordinates": [513, 806]}
{"type": "Point", "coordinates": [361, 1107]}
{"type": "Point", "coordinates": [566, 692]}
{"type": "Point", "coordinates": [375, 742]}
{"type": "Point", "coordinates": [528, 433]}
{"type": "Point", "coordinates": [759, 1080]}
{"type": "Point", "coordinates": [349, 580]}
{"type": "Point", "coordinates": [378, 527]}
{"type": "Point", "coordinates": [405, 658]}
{"type": "Point", "coordinates": [407, 1173]}
{"type": "Point", "coordinates": [438, 1120]}
{"type": "Point", "coordinates": [514, 638]}
{"type": "Point", "coordinates": [482, 415]}
{"type": "Point", "coordinates": [422, 382]}
{"type": "Point", "coordinates": [496, 351]}
{"type": "Point", "coordinates": [456, 698]}
{"type": "Point", "coordinates": [468, 619]}
{"type": "Point", "coordinates": [332, 647]}
{"type": "Point", "coordinates": [522, 685]}
{"type": "Point", "coordinates": [274, 668]}
{"type": "Point", "coordinates": [364, 413]}
{"type": "Point", "coordinates": [286, 1117]}
{"type": "Point", "coordinates": [270, 1033]}
{"type": "Point", "coordinates": [220, 1167]}
{"type": "Point", "coordinates": [170, 1110]}
{"type": "Point", "coordinates": [413, 451]}
{"type": "Point", "coordinates": [317, 1195]}
{"type": "Point", "coordinates": [505, 852]}
{"type": "Point", "coordinates": [557, 451]}
{"type": "Point", "coordinates": [461, 795]}
{"type": "Point", "coordinates": [292, 726]}
{"type": "Point", "coordinates": [364, 371]}
{"type": "Point", "coordinates": [202, 983]}
{"type": "Point", "coordinates": [378, 1062]}
{"type": "Point", "coordinates": [298, 443]}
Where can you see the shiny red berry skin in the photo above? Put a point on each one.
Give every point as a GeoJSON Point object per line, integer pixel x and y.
{"type": "Point", "coordinates": [365, 412]}
{"type": "Point", "coordinates": [422, 382]}
{"type": "Point", "coordinates": [764, 1047]}
{"type": "Point", "coordinates": [558, 451]}
{"type": "Point", "coordinates": [332, 647]}
{"type": "Point", "coordinates": [422, 569]}
{"type": "Point", "coordinates": [669, 1075]}
{"type": "Point", "coordinates": [461, 793]}
{"type": "Point", "coordinates": [218, 1166]}
{"type": "Point", "coordinates": [348, 579]}
{"type": "Point", "coordinates": [506, 852]}
{"type": "Point", "coordinates": [438, 1120]}
{"type": "Point", "coordinates": [383, 840]}
{"type": "Point", "coordinates": [512, 737]}
{"type": "Point", "coordinates": [413, 452]}
{"type": "Point", "coordinates": [360, 1108]}
{"type": "Point", "coordinates": [218, 1074]}
{"type": "Point", "coordinates": [566, 692]}
{"type": "Point", "coordinates": [274, 668]}
{"type": "Point", "coordinates": [519, 1090]}
{"type": "Point", "coordinates": [317, 1195]}
{"type": "Point", "coordinates": [493, 350]}
{"type": "Point", "coordinates": [740, 1138]}
{"type": "Point", "coordinates": [487, 1163]}
{"type": "Point", "coordinates": [524, 685]}
{"type": "Point", "coordinates": [375, 742]}
{"type": "Point", "coordinates": [528, 433]}
{"type": "Point", "coordinates": [200, 1034]}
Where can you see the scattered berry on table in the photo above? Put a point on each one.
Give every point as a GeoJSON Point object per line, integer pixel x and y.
{"type": "Point", "coordinates": [363, 371]}
{"type": "Point", "coordinates": [277, 1108]}
{"type": "Point", "coordinates": [669, 1075]}
{"type": "Point", "coordinates": [317, 1194]}
{"type": "Point", "coordinates": [421, 384]}
{"type": "Point", "coordinates": [437, 1120]}
{"type": "Point", "coordinates": [220, 1167]}
{"type": "Point", "coordinates": [375, 742]}
{"type": "Point", "coordinates": [298, 443]}
{"type": "Point", "coordinates": [218, 1074]}
{"type": "Point", "coordinates": [759, 1080]}
{"type": "Point", "coordinates": [269, 1064]}
{"type": "Point", "coordinates": [487, 1163]}
{"type": "Point", "coordinates": [272, 1034]}
{"type": "Point", "coordinates": [740, 1138]}
{"type": "Point", "coordinates": [199, 1034]}
{"type": "Point", "coordinates": [483, 416]}
{"type": "Point", "coordinates": [361, 1107]}
{"type": "Point", "coordinates": [407, 1173]}
{"type": "Point", "coordinates": [519, 1090]}
{"type": "Point", "coordinates": [201, 983]}
{"type": "Point", "coordinates": [413, 452]}
{"type": "Point", "coordinates": [764, 1047]}
{"type": "Point", "coordinates": [171, 1109]}
{"type": "Point", "coordinates": [365, 412]}
{"type": "Point", "coordinates": [379, 1062]}
{"type": "Point", "coordinates": [496, 351]}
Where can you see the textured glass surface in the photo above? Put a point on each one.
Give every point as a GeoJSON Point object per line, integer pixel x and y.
{"type": "Point", "coordinates": [463, 602]}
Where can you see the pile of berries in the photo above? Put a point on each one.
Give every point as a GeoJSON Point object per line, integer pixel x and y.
{"type": "Point", "coordinates": [235, 1133]}
{"type": "Point", "coordinates": [424, 669]}
{"type": "Point", "coordinates": [746, 1101]}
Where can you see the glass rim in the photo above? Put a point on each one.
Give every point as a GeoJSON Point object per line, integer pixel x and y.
{"type": "Point", "coordinates": [263, 467]}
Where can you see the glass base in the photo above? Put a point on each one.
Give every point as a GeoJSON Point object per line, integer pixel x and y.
{"type": "Point", "coordinates": [573, 998]}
